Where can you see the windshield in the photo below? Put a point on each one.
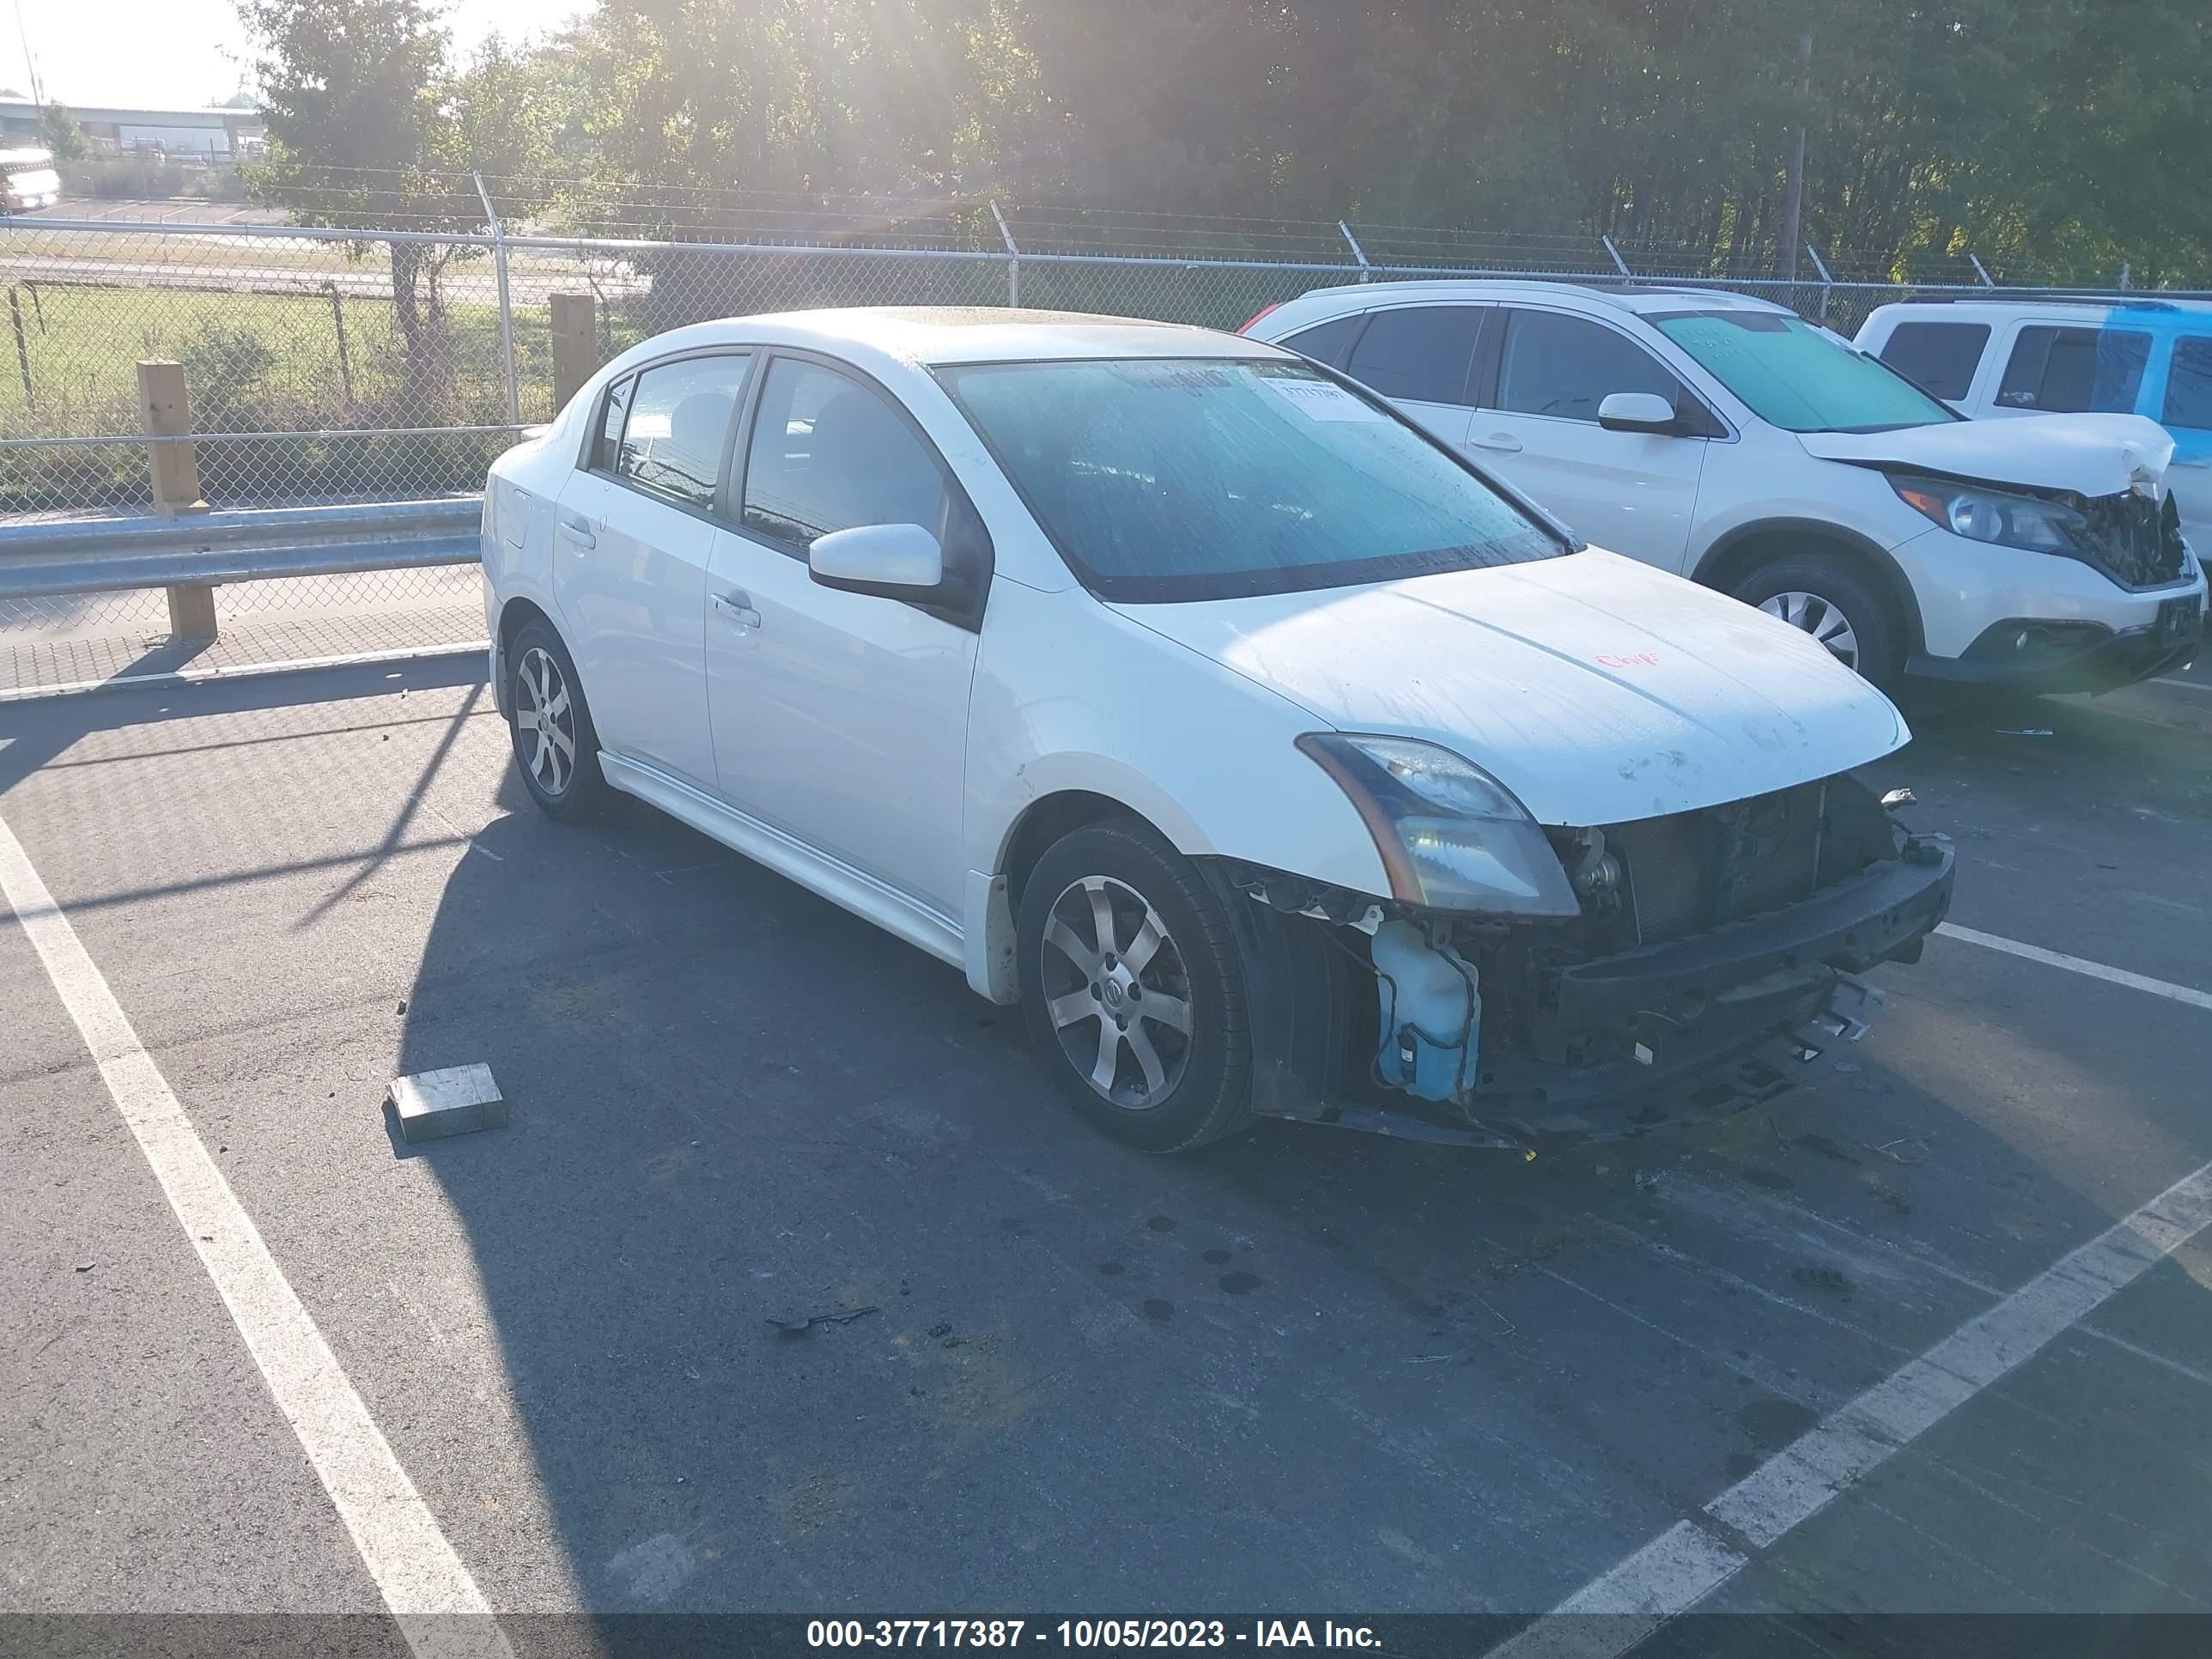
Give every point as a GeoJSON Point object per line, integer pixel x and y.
{"type": "Point", "coordinates": [1196, 479]}
{"type": "Point", "coordinates": [1798, 377]}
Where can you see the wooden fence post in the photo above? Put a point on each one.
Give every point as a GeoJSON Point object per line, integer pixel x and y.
{"type": "Point", "coordinates": [575, 347]}
{"type": "Point", "coordinates": [167, 412]}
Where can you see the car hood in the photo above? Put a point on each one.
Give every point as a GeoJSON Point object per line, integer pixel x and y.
{"type": "Point", "coordinates": [1598, 690]}
{"type": "Point", "coordinates": [2089, 454]}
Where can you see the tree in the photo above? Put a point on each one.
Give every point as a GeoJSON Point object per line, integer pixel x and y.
{"type": "Point", "coordinates": [350, 91]}
{"type": "Point", "coordinates": [59, 132]}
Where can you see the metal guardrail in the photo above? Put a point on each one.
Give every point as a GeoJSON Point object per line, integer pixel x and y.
{"type": "Point", "coordinates": [98, 555]}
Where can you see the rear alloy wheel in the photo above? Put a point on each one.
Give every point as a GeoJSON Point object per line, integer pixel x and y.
{"type": "Point", "coordinates": [1134, 988]}
{"type": "Point", "coordinates": [1838, 604]}
{"type": "Point", "coordinates": [555, 749]}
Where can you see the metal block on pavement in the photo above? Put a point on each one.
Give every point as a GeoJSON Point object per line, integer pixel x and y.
{"type": "Point", "coordinates": [452, 1102]}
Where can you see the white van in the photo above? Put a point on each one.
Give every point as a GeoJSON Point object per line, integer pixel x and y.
{"type": "Point", "coordinates": [28, 179]}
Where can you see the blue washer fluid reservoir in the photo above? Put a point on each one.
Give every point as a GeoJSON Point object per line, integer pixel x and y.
{"type": "Point", "coordinates": [1431, 1004]}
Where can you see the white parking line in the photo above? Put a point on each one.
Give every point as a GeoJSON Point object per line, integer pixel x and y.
{"type": "Point", "coordinates": [440, 1612]}
{"type": "Point", "coordinates": [1691, 1559]}
{"type": "Point", "coordinates": [2186, 685]}
{"type": "Point", "coordinates": [2157, 987]}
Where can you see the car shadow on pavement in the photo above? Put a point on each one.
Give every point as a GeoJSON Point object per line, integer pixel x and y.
{"type": "Point", "coordinates": [812, 1295]}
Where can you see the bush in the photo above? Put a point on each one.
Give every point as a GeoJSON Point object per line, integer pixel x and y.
{"type": "Point", "coordinates": [141, 174]}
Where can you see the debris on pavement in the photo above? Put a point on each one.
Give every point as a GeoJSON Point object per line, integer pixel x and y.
{"type": "Point", "coordinates": [1897, 798]}
{"type": "Point", "coordinates": [796, 1324]}
{"type": "Point", "coordinates": [1824, 1278]}
{"type": "Point", "coordinates": [2024, 732]}
{"type": "Point", "coordinates": [455, 1101]}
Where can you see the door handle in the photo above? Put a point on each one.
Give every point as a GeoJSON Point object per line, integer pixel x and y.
{"type": "Point", "coordinates": [737, 606]}
{"type": "Point", "coordinates": [1504, 442]}
{"type": "Point", "coordinates": [576, 530]}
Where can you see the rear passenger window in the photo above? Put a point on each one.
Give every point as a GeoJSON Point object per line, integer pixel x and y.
{"type": "Point", "coordinates": [1566, 367]}
{"type": "Point", "coordinates": [2188, 383]}
{"type": "Point", "coordinates": [828, 453]}
{"type": "Point", "coordinates": [2075, 371]}
{"type": "Point", "coordinates": [1325, 342]}
{"type": "Point", "coordinates": [1940, 358]}
{"type": "Point", "coordinates": [1420, 353]}
{"type": "Point", "coordinates": [679, 420]}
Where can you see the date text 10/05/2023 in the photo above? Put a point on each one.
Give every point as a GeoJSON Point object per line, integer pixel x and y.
{"type": "Point", "coordinates": [1085, 1633]}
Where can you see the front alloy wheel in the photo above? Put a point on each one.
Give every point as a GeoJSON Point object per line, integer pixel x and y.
{"type": "Point", "coordinates": [1823, 620]}
{"type": "Point", "coordinates": [1117, 991]}
{"type": "Point", "coordinates": [1839, 601]}
{"type": "Point", "coordinates": [1133, 988]}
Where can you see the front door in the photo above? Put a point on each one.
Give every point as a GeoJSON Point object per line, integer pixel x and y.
{"type": "Point", "coordinates": [1634, 493]}
{"type": "Point", "coordinates": [839, 718]}
{"type": "Point", "coordinates": [632, 537]}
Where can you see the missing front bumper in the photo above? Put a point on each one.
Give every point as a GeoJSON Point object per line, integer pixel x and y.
{"type": "Point", "coordinates": [1691, 1030]}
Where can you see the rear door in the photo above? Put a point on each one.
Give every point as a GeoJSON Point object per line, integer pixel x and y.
{"type": "Point", "coordinates": [2184, 409]}
{"type": "Point", "coordinates": [1421, 358]}
{"type": "Point", "coordinates": [632, 534]}
{"type": "Point", "coordinates": [2059, 368]}
{"type": "Point", "coordinates": [1633, 492]}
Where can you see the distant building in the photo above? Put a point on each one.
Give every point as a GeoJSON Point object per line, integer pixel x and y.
{"type": "Point", "coordinates": [213, 132]}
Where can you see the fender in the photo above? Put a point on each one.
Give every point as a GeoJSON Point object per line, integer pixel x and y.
{"type": "Point", "coordinates": [1716, 557]}
{"type": "Point", "coordinates": [988, 925]}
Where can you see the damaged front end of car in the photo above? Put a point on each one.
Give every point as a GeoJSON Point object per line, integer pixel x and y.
{"type": "Point", "coordinates": [1529, 988]}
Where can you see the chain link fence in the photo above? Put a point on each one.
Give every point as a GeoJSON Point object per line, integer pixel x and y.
{"type": "Point", "coordinates": [378, 364]}
{"type": "Point", "coordinates": [325, 365]}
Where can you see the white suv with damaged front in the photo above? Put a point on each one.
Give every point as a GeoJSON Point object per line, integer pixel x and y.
{"type": "Point", "coordinates": [1184, 693]}
{"type": "Point", "coordinates": [1726, 438]}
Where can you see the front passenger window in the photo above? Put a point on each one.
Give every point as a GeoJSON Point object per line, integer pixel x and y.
{"type": "Point", "coordinates": [679, 419]}
{"type": "Point", "coordinates": [828, 453]}
{"type": "Point", "coordinates": [1566, 367]}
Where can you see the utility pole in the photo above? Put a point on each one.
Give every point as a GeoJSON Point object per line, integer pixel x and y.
{"type": "Point", "coordinates": [37, 92]}
{"type": "Point", "coordinates": [1793, 204]}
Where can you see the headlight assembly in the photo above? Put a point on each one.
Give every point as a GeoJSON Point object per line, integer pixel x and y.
{"type": "Point", "coordinates": [1451, 836]}
{"type": "Point", "coordinates": [1981, 514]}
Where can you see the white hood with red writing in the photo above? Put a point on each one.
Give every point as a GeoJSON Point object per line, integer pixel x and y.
{"type": "Point", "coordinates": [1597, 689]}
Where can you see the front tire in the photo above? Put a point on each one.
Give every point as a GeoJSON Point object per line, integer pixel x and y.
{"type": "Point", "coordinates": [1133, 989]}
{"type": "Point", "coordinates": [1839, 603]}
{"type": "Point", "coordinates": [556, 748]}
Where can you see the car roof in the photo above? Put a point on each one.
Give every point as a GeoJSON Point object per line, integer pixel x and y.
{"type": "Point", "coordinates": [1638, 299]}
{"type": "Point", "coordinates": [967, 334]}
{"type": "Point", "coordinates": [1975, 309]}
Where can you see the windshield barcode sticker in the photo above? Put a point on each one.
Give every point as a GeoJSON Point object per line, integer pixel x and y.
{"type": "Point", "coordinates": [1320, 400]}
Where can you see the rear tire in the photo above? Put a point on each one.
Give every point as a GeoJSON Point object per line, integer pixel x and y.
{"type": "Point", "coordinates": [1840, 604]}
{"type": "Point", "coordinates": [556, 748]}
{"type": "Point", "coordinates": [1133, 989]}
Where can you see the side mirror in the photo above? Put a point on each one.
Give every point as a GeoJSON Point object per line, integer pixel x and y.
{"type": "Point", "coordinates": [1637, 412]}
{"type": "Point", "coordinates": [892, 561]}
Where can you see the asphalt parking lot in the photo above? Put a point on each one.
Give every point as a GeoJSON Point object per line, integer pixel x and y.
{"type": "Point", "coordinates": [1304, 1372]}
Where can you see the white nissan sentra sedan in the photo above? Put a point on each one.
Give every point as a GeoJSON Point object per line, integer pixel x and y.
{"type": "Point", "coordinates": [1277, 762]}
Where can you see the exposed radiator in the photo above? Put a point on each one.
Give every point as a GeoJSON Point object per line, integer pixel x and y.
{"type": "Point", "coordinates": [1690, 872]}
